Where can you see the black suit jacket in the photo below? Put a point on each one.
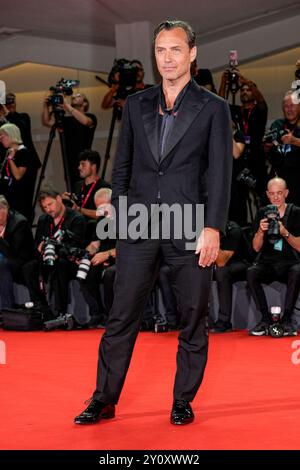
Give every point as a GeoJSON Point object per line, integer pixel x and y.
{"type": "Point", "coordinates": [197, 161]}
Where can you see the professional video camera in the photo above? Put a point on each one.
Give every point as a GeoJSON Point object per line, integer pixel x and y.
{"type": "Point", "coordinates": [62, 87]}
{"type": "Point", "coordinates": [127, 76]}
{"type": "Point", "coordinates": [246, 177]}
{"type": "Point", "coordinates": [274, 136]}
{"type": "Point", "coordinates": [272, 214]}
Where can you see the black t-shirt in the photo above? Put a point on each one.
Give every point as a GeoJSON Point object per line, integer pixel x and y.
{"type": "Point", "coordinates": [72, 221]}
{"type": "Point", "coordinates": [86, 192]}
{"type": "Point", "coordinates": [232, 241]}
{"type": "Point", "coordinates": [77, 138]}
{"type": "Point", "coordinates": [23, 122]}
{"type": "Point", "coordinates": [269, 253]}
{"type": "Point", "coordinates": [19, 193]}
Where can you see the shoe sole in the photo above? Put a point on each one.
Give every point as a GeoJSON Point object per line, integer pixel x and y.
{"type": "Point", "coordinates": [95, 421]}
{"type": "Point", "coordinates": [182, 423]}
{"type": "Point", "coordinates": [261, 333]}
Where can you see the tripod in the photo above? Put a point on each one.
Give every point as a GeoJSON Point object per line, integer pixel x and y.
{"type": "Point", "coordinates": [115, 115]}
{"type": "Point", "coordinates": [58, 125]}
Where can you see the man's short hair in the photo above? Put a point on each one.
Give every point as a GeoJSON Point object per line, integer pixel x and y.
{"type": "Point", "coordinates": [92, 156]}
{"type": "Point", "coordinates": [101, 192]}
{"type": "Point", "coordinates": [3, 202]}
{"type": "Point", "coordinates": [13, 132]}
{"type": "Point", "coordinates": [47, 191]}
{"type": "Point", "coordinates": [172, 24]}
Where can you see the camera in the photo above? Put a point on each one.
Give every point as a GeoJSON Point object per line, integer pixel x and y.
{"type": "Point", "coordinates": [62, 87]}
{"type": "Point", "coordinates": [62, 321]}
{"type": "Point", "coordinates": [274, 135]}
{"type": "Point", "coordinates": [84, 258]}
{"type": "Point", "coordinates": [276, 329]}
{"type": "Point", "coordinates": [127, 71]}
{"type": "Point", "coordinates": [272, 214]}
{"type": "Point", "coordinates": [246, 177]}
{"type": "Point", "coordinates": [233, 76]}
{"type": "Point", "coordinates": [58, 245]}
{"type": "Point", "coordinates": [73, 199]}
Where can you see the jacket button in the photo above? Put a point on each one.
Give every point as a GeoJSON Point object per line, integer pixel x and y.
{"type": "Point", "coordinates": [161, 173]}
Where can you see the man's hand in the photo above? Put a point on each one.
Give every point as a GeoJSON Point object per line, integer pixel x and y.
{"type": "Point", "coordinates": [99, 258]}
{"type": "Point", "coordinates": [208, 246]}
{"type": "Point", "coordinates": [288, 138]}
{"type": "Point", "coordinates": [264, 225]}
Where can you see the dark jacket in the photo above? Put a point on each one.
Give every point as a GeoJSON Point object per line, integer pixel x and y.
{"type": "Point", "coordinates": [197, 162]}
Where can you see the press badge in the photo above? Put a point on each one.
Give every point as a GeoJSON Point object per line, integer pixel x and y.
{"type": "Point", "coordinates": [287, 148]}
{"type": "Point", "coordinates": [278, 245]}
{"type": "Point", "coordinates": [247, 139]}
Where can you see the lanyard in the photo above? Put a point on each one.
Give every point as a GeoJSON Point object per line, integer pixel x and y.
{"type": "Point", "coordinates": [246, 121]}
{"type": "Point", "coordinates": [89, 192]}
{"type": "Point", "coordinates": [57, 227]}
{"type": "Point", "coordinates": [3, 232]}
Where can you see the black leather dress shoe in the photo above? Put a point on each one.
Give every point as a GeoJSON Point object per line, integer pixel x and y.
{"type": "Point", "coordinates": [95, 411]}
{"type": "Point", "coordinates": [182, 412]}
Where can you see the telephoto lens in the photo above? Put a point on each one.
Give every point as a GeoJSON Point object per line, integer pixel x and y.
{"type": "Point", "coordinates": [83, 269]}
{"type": "Point", "coordinates": [49, 254]}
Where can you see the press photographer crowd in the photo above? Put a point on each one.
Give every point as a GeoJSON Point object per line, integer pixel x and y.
{"type": "Point", "coordinates": [262, 239]}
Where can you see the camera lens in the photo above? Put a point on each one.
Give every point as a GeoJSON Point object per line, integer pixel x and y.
{"type": "Point", "coordinates": [83, 269]}
{"type": "Point", "coordinates": [49, 254]}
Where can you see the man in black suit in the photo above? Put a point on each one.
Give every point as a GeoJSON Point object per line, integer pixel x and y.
{"type": "Point", "coordinates": [175, 147]}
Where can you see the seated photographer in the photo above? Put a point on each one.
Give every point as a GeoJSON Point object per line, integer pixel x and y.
{"type": "Point", "coordinates": [118, 92]}
{"type": "Point", "coordinates": [79, 127]}
{"type": "Point", "coordinates": [277, 242]}
{"type": "Point", "coordinates": [82, 200]}
{"type": "Point", "coordinates": [231, 266]}
{"type": "Point", "coordinates": [16, 248]}
{"type": "Point", "coordinates": [282, 145]}
{"type": "Point", "coordinates": [18, 171]}
{"type": "Point", "coordinates": [59, 229]}
{"type": "Point", "coordinates": [102, 269]}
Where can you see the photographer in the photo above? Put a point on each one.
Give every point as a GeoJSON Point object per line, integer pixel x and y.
{"type": "Point", "coordinates": [17, 171]}
{"type": "Point", "coordinates": [16, 248]}
{"type": "Point", "coordinates": [277, 242]}
{"type": "Point", "coordinates": [83, 198]}
{"type": "Point", "coordinates": [57, 219]}
{"type": "Point", "coordinates": [283, 147]}
{"type": "Point", "coordinates": [79, 127]}
{"type": "Point", "coordinates": [9, 113]}
{"type": "Point", "coordinates": [126, 78]}
{"type": "Point", "coordinates": [253, 117]}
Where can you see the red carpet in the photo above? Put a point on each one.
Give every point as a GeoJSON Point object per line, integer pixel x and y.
{"type": "Point", "coordinates": [250, 397]}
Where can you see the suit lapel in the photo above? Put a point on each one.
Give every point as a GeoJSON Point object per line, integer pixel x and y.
{"type": "Point", "coordinates": [149, 108]}
{"type": "Point", "coordinates": [192, 104]}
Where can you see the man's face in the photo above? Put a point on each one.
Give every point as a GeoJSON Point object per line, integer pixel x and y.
{"type": "Point", "coordinates": [86, 168]}
{"type": "Point", "coordinates": [52, 206]}
{"type": "Point", "coordinates": [277, 194]}
{"type": "Point", "coordinates": [246, 94]}
{"type": "Point", "coordinates": [291, 111]}
{"type": "Point", "coordinates": [173, 55]}
{"type": "Point", "coordinates": [77, 101]}
{"type": "Point", "coordinates": [3, 215]}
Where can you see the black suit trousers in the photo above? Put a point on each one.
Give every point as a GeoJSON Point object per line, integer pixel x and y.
{"type": "Point", "coordinates": [136, 270]}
